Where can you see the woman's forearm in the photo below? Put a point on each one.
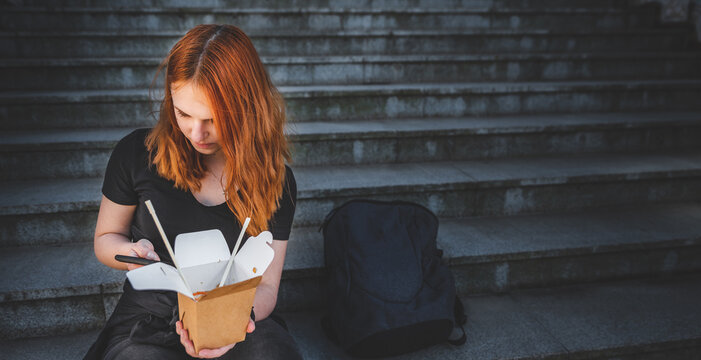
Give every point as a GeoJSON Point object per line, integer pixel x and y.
{"type": "Point", "coordinates": [266, 293]}
{"type": "Point", "coordinates": [109, 245]}
{"type": "Point", "coordinates": [113, 223]}
{"type": "Point", "coordinates": [264, 301]}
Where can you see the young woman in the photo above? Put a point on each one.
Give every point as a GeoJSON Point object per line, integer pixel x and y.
{"type": "Point", "coordinates": [216, 156]}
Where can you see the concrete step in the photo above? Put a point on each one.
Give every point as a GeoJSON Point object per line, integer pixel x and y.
{"type": "Point", "coordinates": [639, 319]}
{"type": "Point", "coordinates": [366, 42]}
{"type": "Point", "coordinates": [41, 212]}
{"type": "Point", "coordinates": [327, 103]}
{"type": "Point", "coordinates": [60, 347]}
{"type": "Point", "coordinates": [329, 19]}
{"type": "Point", "coordinates": [118, 73]}
{"type": "Point", "coordinates": [78, 153]}
{"type": "Point", "coordinates": [345, 4]}
{"type": "Point", "coordinates": [487, 255]}
{"type": "Point", "coordinates": [646, 319]}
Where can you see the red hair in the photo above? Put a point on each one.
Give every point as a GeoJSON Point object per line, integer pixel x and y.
{"type": "Point", "coordinates": [249, 115]}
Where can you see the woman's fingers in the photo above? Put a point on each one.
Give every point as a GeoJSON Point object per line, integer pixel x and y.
{"type": "Point", "coordinates": [144, 249]}
{"type": "Point", "coordinates": [251, 326]}
{"type": "Point", "coordinates": [185, 339]}
{"type": "Point", "coordinates": [215, 353]}
{"type": "Point", "coordinates": [205, 353]}
{"type": "Point", "coordinates": [187, 343]}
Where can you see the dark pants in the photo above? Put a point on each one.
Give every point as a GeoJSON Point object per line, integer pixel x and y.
{"type": "Point", "coordinates": [269, 341]}
{"type": "Point", "coordinates": [142, 326]}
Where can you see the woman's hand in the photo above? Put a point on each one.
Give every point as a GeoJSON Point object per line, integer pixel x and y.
{"type": "Point", "coordinates": [143, 249]}
{"type": "Point", "coordinates": [206, 353]}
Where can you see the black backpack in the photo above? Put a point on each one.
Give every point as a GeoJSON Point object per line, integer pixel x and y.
{"type": "Point", "coordinates": [388, 292]}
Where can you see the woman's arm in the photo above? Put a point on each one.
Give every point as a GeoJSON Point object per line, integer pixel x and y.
{"type": "Point", "coordinates": [266, 293]}
{"type": "Point", "coordinates": [112, 236]}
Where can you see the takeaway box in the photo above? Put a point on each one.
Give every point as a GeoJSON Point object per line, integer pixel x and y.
{"type": "Point", "coordinates": [214, 315]}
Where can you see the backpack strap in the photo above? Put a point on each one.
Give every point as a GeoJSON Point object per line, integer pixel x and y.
{"type": "Point", "coordinates": [459, 312]}
{"type": "Point", "coordinates": [327, 218]}
{"type": "Point", "coordinates": [460, 317]}
{"type": "Point", "coordinates": [460, 320]}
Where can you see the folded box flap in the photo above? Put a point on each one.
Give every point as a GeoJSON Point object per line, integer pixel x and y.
{"type": "Point", "coordinates": [158, 276]}
{"type": "Point", "coordinates": [204, 277]}
{"type": "Point", "coordinates": [253, 259]}
{"type": "Point", "coordinates": [233, 288]}
{"type": "Point", "coordinates": [201, 247]}
{"type": "Point", "coordinates": [202, 257]}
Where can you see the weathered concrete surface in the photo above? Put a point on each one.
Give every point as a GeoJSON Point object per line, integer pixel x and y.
{"type": "Point", "coordinates": [133, 107]}
{"type": "Point", "coordinates": [35, 197]}
{"type": "Point", "coordinates": [469, 41]}
{"type": "Point", "coordinates": [80, 153]}
{"type": "Point", "coordinates": [346, 4]}
{"type": "Point", "coordinates": [626, 319]}
{"type": "Point", "coordinates": [120, 73]}
{"type": "Point", "coordinates": [60, 347]}
{"type": "Point", "coordinates": [639, 319]}
{"type": "Point", "coordinates": [450, 189]}
{"type": "Point", "coordinates": [671, 11]}
{"type": "Point", "coordinates": [591, 319]}
{"type": "Point", "coordinates": [487, 255]}
{"type": "Point", "coordinates": [529, 70]}
{"type": "Point", "coordinates": [496, 329]}
{"type": "Point", "coordinates": [256, 20]}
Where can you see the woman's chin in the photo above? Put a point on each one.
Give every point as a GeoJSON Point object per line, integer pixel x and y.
{"type": "Point", "coordinates": [206, 151]}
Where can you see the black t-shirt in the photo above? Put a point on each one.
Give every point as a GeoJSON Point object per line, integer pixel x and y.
{"type": "Point", "coordinates": [129, 180]}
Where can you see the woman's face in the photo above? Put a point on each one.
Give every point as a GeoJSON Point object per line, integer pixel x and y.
{"type": "Point", "coordinates": [195, 118]}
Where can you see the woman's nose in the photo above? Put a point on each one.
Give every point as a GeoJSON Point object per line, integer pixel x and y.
{"type": "Point", "coordinates": [199, 132]}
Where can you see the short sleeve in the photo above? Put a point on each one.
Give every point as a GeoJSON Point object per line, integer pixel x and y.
{"type": "Point", "coordinates": [118, 184]}
{"type": "Point", "coordinates": [281, 222]}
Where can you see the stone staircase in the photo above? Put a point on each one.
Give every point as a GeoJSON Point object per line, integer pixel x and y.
{"type": "Point", "coordinates": [557, 140]}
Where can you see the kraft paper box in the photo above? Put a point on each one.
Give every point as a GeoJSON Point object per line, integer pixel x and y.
{"type": "Point", "coordinates": [219, 317]}
{"type": "Point", "coordinates": [214, 316]}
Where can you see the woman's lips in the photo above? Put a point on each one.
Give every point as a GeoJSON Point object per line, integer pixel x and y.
{"type": "Point", "coordinates": [203, 146]}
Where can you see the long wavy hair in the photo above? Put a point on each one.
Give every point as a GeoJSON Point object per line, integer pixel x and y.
{"type": "Point", "coordinates": [249, 115]}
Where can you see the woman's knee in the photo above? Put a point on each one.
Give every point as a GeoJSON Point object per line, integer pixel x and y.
{"type": "Point", "coordinates": [269, 341]}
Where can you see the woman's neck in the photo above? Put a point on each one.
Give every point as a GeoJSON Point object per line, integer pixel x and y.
{"type": "Point", "coordinates": [215, 162]}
